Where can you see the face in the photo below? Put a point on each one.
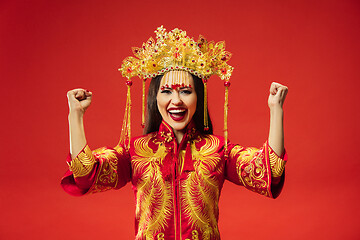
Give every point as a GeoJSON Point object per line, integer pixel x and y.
{"type": "Point", "coordinates": [176, 99]}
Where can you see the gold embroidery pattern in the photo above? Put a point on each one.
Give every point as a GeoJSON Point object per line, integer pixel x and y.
{"type": "Point", "coordinates": [277, 164]}
{"type": "Point", "coordinates": [194, 235]}
{"type": "Point", "coordinates": [107, 177]}
{"type": "Point", "coordinates": [167, 137]}
{"type": "Point", "coordinates": [200, 191]}
{"type": "Point", "coordinates": [251, 169]}
{"type": "Point", "coordinates": [154, 197]}
{"type": "Point", "coordinates": [83, 163]}
{"type": "Point", "coordinates": [181, 161]}
{"type": "Point", "coordinates": [160, 236]}
{"type": "Point", "coordinates": [235, 150]}
{"type": "Point", "coordinates": [119, 149]}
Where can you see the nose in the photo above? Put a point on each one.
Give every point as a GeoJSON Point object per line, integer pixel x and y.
{"type": "Point", "coordinates": [176, 99]}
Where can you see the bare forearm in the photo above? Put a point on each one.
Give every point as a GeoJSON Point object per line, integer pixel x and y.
{"type": "Point", "coordinates": [79, 100]}
{"type": "Point", "coordinates": [276, 100]}
{"type": "Point", "coordinates": [77, 133]}
{"type": "Point", "coordinates": [276, 132]}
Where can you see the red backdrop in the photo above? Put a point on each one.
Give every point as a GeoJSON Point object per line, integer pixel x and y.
{"type": "Point", "coordinates": [49, 47]}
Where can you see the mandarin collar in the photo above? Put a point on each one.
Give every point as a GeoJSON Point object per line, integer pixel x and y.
{"type": "Point", "coordinates": [166, 133]}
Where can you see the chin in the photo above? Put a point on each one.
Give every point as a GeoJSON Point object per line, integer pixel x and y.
{"type": "Point", "coordinates": [178, 126]}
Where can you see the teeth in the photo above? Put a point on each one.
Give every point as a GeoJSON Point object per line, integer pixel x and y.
{"type": "Point", "coordinates": [177, 111]}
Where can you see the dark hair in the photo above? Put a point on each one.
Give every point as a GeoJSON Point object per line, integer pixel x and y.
{"type": "Point", "coordinates": [154, 118]}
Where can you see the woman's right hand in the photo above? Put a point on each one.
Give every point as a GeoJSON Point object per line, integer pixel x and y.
{"type": "Point", "coordinates": [79, 100]}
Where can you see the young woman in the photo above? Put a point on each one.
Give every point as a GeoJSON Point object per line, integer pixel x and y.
{"type": "Point", "coordinates": [177, 169]}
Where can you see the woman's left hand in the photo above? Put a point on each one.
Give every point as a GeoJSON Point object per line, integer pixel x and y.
{"type": "Point", "coordinates": [277, 95]}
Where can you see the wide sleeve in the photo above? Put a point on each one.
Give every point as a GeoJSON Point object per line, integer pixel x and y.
{"type": "Point", "coordinates": [259, 170]}
{"type": "Point", "coordinates": [96, 171]}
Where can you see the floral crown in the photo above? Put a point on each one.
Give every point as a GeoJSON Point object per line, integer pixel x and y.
{"type": "Point", "coordinates": [174, 50]}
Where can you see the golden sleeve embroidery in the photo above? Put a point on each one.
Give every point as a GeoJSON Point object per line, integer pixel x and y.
{"type": "Point", "coordinates": [83, 163]}
{"type": "Point", "coordinates": [97, 171]}
{"type": "Point", "coordinates": [256, 169]}
{"type": "Point", "coordinates": [113, 170]}
{"type": "Point", "coordinates": [277, 164]}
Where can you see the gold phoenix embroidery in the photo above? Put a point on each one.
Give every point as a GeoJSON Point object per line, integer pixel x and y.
{"type": "Point", "coordinates": [250, 167]}
{"type": "Point", "coordinates": [154, 197]}
{"type": "Point", "coordinates": [200, 191]}
{"type": "Point", "coordinates": [83, 163]}
{"type": "Point", "coordinates": [107, 177]}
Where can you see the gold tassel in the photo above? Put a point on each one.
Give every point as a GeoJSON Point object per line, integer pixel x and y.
{"type": "Point", "coordinates": [126, 126]}
{"type": "Point", "coordinates": [206, 123]}
{"type": "Point", "coordinates": [143, 105]}
{"type": "Point", "coordinates": [226, 107]}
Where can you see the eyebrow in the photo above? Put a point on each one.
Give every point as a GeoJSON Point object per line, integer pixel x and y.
{"type": "Point", "coordinates": [171, 88]}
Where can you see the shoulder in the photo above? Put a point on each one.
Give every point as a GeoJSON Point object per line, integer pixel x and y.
{"type": "Point", "coordinates": [143, 137]}
{"type": "Point", "coordinates": [210, 141]}
{"type": "Point", "coordinates": [211, 137]}
{"type": "Point", "coordinates": [142, 141]}
{"type": "Point", "coordinates": [216, 141]}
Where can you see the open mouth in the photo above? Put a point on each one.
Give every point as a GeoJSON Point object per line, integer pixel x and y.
{"type": "Point", "coordinates": [177, 114]}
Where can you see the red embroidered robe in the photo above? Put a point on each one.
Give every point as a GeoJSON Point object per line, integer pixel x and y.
{"type": "Point", "coordinates": [177, 186]}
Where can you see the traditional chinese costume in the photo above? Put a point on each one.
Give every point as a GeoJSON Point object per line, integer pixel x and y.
{"type": "Point", "coordinates": [177, 186]}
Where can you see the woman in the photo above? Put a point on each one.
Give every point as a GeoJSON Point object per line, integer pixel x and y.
{"type": "Point", "coordinates": [178, 168]}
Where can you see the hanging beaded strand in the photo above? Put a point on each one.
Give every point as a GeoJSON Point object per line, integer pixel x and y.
{"type": "Point", "coordinates": [176, 79]}
{"type": "Point", "coordinates": [206, 121]}
{"type": "Point", "coordinates": [226, 108]}
{"type": "Point", "coordinates": [143, 104]}
{"type": "Point", "coordinates": [126, 126]}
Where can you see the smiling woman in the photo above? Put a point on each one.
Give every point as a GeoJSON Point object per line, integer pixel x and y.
{"type": "Point", "coordinates": [154, 117]}
{"type": "Point", "coordinates": [177, 169]}
{"type": "Point", "coordinates": [177, 100]}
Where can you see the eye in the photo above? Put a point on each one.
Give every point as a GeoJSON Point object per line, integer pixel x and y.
{"type": "Point", "coordinates": [166, 91]}
{"type": "Point", "coordinates": [186, 91]}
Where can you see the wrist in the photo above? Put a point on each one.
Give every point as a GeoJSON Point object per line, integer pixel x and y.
{"type": "Point", "coordinates": [277, 109]}
{"type": "Point", "coordinates": [76, 114]}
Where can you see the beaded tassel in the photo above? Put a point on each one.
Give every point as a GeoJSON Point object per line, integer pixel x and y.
{"type": "Point", "coordinates": [206, 122]}
{"type": "Point", "coordinates": [226, 107]}
{"type": "Point", "coordinates": [143, 105]}
{"type": "Point", "coordinates": [126, 126]}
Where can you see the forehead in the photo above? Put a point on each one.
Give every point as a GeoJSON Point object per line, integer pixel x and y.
{"type": "Point", "coordinates": [177, 78]}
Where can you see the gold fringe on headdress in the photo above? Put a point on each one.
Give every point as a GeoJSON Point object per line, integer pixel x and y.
{"type": "Point", "coordinates": [206, 120]}
{"type": "Point", "coordinates": [143, 104]}
{"type": "Point", "coordinates": [126, 125]}
{"type": "Point", "coordinates": [226, 109]}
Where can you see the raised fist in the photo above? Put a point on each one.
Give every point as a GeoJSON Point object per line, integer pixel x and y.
{"type": "Point", "coordinates": [79, 100]}
{"type": "Point", "coordinates": [277, 95]}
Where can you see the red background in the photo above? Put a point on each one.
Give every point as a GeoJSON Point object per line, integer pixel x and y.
{"type": "Point", "coordinates": [49, 47]}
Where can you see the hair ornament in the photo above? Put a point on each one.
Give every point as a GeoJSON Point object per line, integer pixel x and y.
{"type": "Point", "coordinates": [174, 50]}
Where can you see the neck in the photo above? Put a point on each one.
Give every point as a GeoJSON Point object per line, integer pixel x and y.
{"type": "Point", "coordinates": [179, 135]}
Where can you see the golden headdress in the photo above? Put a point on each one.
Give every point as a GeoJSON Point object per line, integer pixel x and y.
{"type": "Point", "coordinates": [173, 51]}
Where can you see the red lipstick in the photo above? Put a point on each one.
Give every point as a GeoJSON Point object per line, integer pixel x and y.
{"type": "Point", "coordinates": [177, 114]}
